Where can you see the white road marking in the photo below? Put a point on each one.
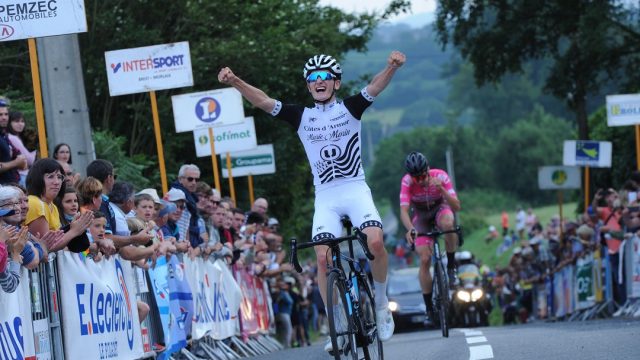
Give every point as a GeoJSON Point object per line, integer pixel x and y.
{"type": "Point", "coordinates": [477, 352]}
{"type": "Point", "coordinates": [476, 339]}
{"type": "Point", "coordinates": [480, 352]}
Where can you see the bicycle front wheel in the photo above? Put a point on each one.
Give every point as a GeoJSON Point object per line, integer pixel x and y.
{"type": "Point", "coordinates": [371, 343]}
{"type": "Point", "coordinates": [339, 313]}
{"type": "Point", "coordinates": [443, 298]}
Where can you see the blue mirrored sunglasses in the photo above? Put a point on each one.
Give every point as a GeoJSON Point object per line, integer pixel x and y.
{"type": "Point", "coordinates": [322, 75]}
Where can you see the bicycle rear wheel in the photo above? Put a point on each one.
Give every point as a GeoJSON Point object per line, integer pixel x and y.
{"type": "Point", "coordinates": [442, 298]}
{"type": "Point", "coordinates": [341, 325]}
{"type": "Point", "coordinates": [371, 343]}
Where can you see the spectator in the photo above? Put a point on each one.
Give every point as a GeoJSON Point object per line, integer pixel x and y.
{"type": "Point", "coordinates": [238, 219]}
{"type": "Point", "coordinates": [44, 183]}
{"type": "Point", "coordinates": [70, 178]}
{"type": "Point", "coordinates": [62, 152]}
{"type": "Point", "coordinates": [10, 159]}
{"type": "Point", "coordinates": [521, 222]}
{"type": "Point", "coordinates": [530, 221]}
{"type": "Point", "coordinates": [103, 171]}
{"type": "Point", "coordinates": [491, 235]}
{"type": "Point", "coordinates": [122, 200]}
{"type": "Point", "coordinates": [261, 206]}
{"type": "Point", "coordinates": [608, 207]}
{"type": "Point", "coordinates": [283, 306]}
{"type": "Point", "coordinates": [10, 276]}
{"type": "Point", "coordinates": [16, 129]}
{"type": "Point", "coordinates": [68, 204]}
{"type": "Point", "coordinates": [172, 228]}
{"type": "Point", "coordinates": [504, 220]}
{"type": "Point", "coordinates": [188, 177]}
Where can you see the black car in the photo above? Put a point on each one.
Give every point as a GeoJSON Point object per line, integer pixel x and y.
{"type": "Point", "coordinates": [405, 298]}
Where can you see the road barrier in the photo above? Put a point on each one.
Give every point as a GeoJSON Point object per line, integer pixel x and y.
{"type": "Point", "coordinates": [74, 308]}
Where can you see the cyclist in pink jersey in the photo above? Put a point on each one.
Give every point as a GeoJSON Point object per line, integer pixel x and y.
{"type": "Point", "coordinates": [430, 194]}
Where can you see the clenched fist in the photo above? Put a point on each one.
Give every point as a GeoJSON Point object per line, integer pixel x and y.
{"type": "Point", "coordinates": [226, 76]}
{"type": "Point", "coordinates": [396, 59]}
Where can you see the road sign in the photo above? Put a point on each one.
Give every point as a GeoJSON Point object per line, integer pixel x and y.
{"type": "Point", "coordinates": [587, 153]}
{"type": "Point", "coordinates": [232, 138]}
{"type": "Point", "coordinates": [623, 110]}
{"type": "Point", "coordinates": [259, 161]}
{"type": "Point", "coordinates": [206, 109]}
{"type": "Point", "coordinates": [558, 177]}
{"type": "Point", "coordinates": [149, 68]}
{"type": "Point", "coordinates": [23, 19]}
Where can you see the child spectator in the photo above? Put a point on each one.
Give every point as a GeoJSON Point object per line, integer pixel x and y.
{"type": "Point", "coordinates": [16, 129]}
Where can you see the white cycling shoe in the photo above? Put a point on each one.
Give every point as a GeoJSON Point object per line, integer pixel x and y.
{"type": "Point", "coordinates": [328, 347]}
{"type": "Point", "coordinates": [385, 324]}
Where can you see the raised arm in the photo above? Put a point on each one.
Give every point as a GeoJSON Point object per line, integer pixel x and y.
{"type": "Point", "coordinates": [255, 96]}
{"type": "Point", "coordinates": [382, 79]}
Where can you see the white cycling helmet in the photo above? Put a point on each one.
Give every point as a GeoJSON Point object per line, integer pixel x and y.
{"type": "Point", "coordinates": [322, 62]}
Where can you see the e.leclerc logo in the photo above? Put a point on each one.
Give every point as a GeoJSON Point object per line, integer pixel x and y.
{"type": "Point", "coordinates": [5, 31]}
{"type": "Point", "coordinates": [104, 313]}
{"type": "Point", "coordinates": [148, 64]}
{"type": "Point", "coordinates": [207, 109]}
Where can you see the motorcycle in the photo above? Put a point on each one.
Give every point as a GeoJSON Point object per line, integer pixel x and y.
{"type": "Point", "coordinates": [471, 304]}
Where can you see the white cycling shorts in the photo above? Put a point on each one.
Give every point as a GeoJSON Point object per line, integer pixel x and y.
{"type": "Point", "coordinates": [351, 198]}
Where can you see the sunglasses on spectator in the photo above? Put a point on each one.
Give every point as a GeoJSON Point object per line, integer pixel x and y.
{"type": "Point", "coordinates": [70, 173]}
{"type": "Point", "coordinates": [192, 179]}
{"type": "Point", "coordinates": [181, 206]}
{"type": "Point", "coordinates": [215, 202]}
{"type": "Point", "coordinates": [322, 75]}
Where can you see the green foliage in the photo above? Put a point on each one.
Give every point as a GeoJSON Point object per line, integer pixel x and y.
{"type": "Point", "coordinates": [623, 159]}
{"type": "Point", "coordinates": [530, 143]}
{"type": "Point", "coordinates": [588, 44]}
{"type": "Point", "coordinates": [133, 169]}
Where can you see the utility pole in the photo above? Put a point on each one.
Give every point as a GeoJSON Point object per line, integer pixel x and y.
{"type": "Point", "coordinates": [65, 103]}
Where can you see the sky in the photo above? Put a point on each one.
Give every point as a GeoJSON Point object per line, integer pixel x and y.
{"type": "Point", "coordinates": [418, 7]}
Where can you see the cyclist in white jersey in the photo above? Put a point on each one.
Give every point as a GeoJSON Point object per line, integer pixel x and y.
{"type": "Point", "coordinates": [331, 134]}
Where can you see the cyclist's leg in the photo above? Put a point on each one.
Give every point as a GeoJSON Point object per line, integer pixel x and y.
{"type": "Point", "coordinates": [445, 221]}
{"type": "Point", "coordinates": [363, 213]}
{"type": "Point", "coordinates": [326, 224]}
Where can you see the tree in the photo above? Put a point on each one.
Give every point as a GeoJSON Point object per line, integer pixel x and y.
{"type": "Point", "coordinates": [588, 42]}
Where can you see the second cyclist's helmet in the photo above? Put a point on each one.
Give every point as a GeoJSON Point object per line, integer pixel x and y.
{"type": "Point", "coordinates": [416, 163]}
{"type": "Point", "coordinates": [322, 62]}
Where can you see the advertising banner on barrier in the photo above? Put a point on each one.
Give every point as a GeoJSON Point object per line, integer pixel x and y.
{"type": "Point", "coordinates": [100, 316]}
{"type": "Point", "coordinates": [584, 283]}
{"type": "Point", "coordinates": [635, 277]}
{"type": "Point", "coordinates": [16, 331]}
{"type": "Point", "coordinates": [254, 310]}
{"type": "Point", "coordinates": [175, 303]}
{"type": "Point", "coordinates": [217, 298]}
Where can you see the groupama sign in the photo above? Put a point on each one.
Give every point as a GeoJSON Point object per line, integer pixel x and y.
{"type": "Point", "coordinates": [259, 161]}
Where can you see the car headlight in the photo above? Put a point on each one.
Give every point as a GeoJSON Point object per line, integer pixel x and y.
{"type": "Point", "coordinates": [393, 306]}
{"type": "Point", "coordinates": [463, 296]}
{"type": "Point", "coordinates": [476, 294]}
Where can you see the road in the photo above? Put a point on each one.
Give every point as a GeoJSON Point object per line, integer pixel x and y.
{"type": "Point", "coordinates": [599, 339]}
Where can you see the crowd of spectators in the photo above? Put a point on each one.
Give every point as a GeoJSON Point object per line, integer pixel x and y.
{"type": "Point", "coordinates": [46, 206]}
{"type": "Point", "coordinates": [543, 251]}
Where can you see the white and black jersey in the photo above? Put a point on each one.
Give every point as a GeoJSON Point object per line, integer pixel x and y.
{"type": "Point", "coordinates": [331, 135]}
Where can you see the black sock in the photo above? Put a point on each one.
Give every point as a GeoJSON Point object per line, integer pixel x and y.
{"type": "Point", "coordinates": [451, 260]}
{"type": "Point", "coordinates": [427, 300]}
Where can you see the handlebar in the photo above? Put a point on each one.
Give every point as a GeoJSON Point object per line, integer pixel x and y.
{"type": "Point", "coordinates": [332, 242]}
{"type": "Point", "coordinates": [434, 233]}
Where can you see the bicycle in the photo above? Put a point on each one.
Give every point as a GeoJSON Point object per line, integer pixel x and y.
{"type": "Point", "coordinates": [350, 295]}
{"type": "Point", "coordinates": [441, 295]}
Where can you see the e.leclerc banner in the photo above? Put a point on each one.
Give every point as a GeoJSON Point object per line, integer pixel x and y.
{"type": "Point", "coordinates": [99, 312]}
{"type": "Point", "coordinates": [258, 161]}
{"type": "Point", "coordinates": [16, 331]}
{"type": "Point", "coordinates": [23, 19]}
{"type": "Point", "coordinates": [206, 109]}
{"type": "Point", "coordinates": [149, 68]}
{"type": "Point", "coordinates": [232, 138]}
